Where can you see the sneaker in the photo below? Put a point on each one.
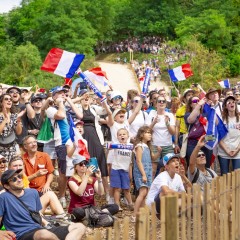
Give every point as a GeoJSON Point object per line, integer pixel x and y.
{"type": "Point", "coordinates": [111, 200]}
{"type": "Point", "coordinates": [63, 201]}
{"type": "Point", "coordinates": [133, 219]}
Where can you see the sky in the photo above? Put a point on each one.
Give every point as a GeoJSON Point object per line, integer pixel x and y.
{"type": "Point", "coordinates": [7, 5]}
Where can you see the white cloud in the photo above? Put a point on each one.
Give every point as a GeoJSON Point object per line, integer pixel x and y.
{"type": "Point", "coordinates": [7, 5]}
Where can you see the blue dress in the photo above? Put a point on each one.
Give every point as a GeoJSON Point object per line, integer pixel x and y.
{"type": "Point", "coordinates": [147, 165]}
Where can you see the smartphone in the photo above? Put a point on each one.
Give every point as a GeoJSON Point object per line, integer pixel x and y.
{"type": "Point", "coordinates": [210, 138]}
{"type": "Point", "coordinates": [93, 162]}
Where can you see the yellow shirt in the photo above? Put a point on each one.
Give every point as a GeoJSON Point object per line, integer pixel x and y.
{"type": "Point", "coordinates": [25, 181]}
{"type": "Point", "coordinates": [180, 117]}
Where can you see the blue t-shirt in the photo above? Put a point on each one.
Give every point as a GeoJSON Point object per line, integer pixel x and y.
{"type": "Point", "coordinates": [15, 217]}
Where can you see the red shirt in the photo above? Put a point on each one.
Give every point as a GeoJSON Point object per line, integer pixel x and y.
{"type": "Point", "coordinates": [87, 198]}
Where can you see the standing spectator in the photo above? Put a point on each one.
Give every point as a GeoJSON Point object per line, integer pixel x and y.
{"type": "Point", "coordinates": [230, 144]}
{"type": "Point", "coordinates": [213, 96]}
{"type": "Point", "coordinates": [163, 125]}
{"type": "Point", "coordinates": [153, 96]}
{"type": "Point", "coordinates": [10, 123]}
{"type": "Point", "coordinates": [142, 169]}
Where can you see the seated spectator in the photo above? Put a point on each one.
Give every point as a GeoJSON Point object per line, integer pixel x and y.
{"type": "Point", "coordinates": [83, 186]}
{"type": "Point", "coordinates": [16, 217]}
{"type": "Point", "coordinates": [167, 182]}
{"type": "Point", "coordinates": [38, 167]}
{"type": "Point", "coordinates": [197, 171]}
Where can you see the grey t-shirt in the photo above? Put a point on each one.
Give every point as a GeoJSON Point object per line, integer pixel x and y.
{"type": "Point", "coordinates": [202, 178]}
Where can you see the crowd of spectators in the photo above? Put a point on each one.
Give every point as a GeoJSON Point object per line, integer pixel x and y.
{"type": "Point", "coordinates": [141, 144]}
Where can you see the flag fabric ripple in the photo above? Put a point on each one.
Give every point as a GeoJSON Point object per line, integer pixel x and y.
{"type": "Point", "coordinates": [180, 73]}
{"type": "Point", "coordinates": [224, 83]}
{"type": "Point", "coordinates": [98, 75]}
{"type": "Point", "coordinates": [62, 63]}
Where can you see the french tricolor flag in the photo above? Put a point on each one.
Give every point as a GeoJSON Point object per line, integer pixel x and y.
{"type": "Point", "coordinates": [62, 63]}
{"type": "Point", "coordinates": [98, 75]}
{"type": "Point", "coordinates": [224, 83]}
{"type": "Point", "coordinates": [180, 73]}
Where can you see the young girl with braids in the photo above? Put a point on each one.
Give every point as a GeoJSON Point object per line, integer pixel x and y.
{"type": "Point", "coordinates": [142, 168]}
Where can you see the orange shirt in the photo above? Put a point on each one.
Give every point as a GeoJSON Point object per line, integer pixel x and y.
{"type": "Point", "coordinates": [42, 161]}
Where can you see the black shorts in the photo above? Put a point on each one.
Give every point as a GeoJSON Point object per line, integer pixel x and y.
{"type": "Point", "coordinates": [61, 152]}
{"type": "Point", "coordinates": [61, 232]}
{"type": "Point", "coordinates": [157, 201]}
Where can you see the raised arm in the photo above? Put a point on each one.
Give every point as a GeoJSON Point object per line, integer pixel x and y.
{"type": "Point", "coordinates": [135, 111]}
{"type": "Point", "coordinates": [109, 120]}
{"type": "Point", "coordinates": [196, 111]}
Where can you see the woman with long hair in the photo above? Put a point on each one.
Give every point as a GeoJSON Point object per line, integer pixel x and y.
{"type": "Point", "coordinates": [229, 146]}
{"type": "Point", "coordinates": [142, 168]}
{"type": "Point", "coordinates": [162, 124]}
{"type": "Point", "coordinates": [195, 123]}
{"type": "Point", "coordinates": [10, 125]}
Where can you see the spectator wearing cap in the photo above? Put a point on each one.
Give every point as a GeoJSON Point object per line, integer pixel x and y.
{"type": "Point", "coordinates": [16, 217]}
{"type": "Point", "coordinates": [197, 171]}
{"type": "Point", "coordinates": [34, 124]}
{"type": "Point", "coordinates": [229, 146]}
{"type": "Point", "coordinates": [213, 96]}
{"type": "Point", "coordinates": [93, 133]}
{"type": "Point", "coordinates": [25, 109]}
{"type": "Point", "coordinates": [167, 182]}
{"type": "Point", "coordinates": [10, 126]}
{"type": "Point", "coordinates": [58, 116]}
{"type": "Point", "coordinates": [153, 95]}
{"type": "Point", "coordinates": [181, 127]}
{"type": "Point", "coordinates": [3, 166]}
{"type": "Point", "coordinates": [116, 100]}
{"type": "Point", "coordinates": [163, 125]}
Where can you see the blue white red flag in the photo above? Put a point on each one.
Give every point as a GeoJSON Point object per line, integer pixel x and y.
{"type": "Point", "coordinates": [180, 73]}
{"type": "Point", "coordinates": [77, 139]}
{"type": "Point", "coordinates": [225, 83]}
{"type": "Point", "coordinates": [98, 75]}
{"type": "Point", "coordinates": [62, 63]}
{"type": "Point", "coordinates": [215, 126]}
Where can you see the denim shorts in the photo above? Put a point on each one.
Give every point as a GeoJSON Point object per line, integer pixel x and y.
{"type": "Point", "coordinates": [119, 179]}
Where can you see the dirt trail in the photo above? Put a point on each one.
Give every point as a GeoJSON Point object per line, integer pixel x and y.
{"type": "Point", "coordinates": [122, 78]}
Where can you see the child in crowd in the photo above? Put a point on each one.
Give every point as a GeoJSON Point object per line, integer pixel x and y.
{"type": "Point", "coordinates": [142, 168]}
{"type": "Point", "coordinates": [72, 149]}
{"type": "Point", "coordinates": [119, 177]}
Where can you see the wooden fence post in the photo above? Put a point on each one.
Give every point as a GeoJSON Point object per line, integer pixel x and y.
{"type": "Point", "coordinates": [171, 210]}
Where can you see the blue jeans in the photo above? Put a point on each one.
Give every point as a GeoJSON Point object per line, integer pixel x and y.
{"type": "Point", "coordinates": [224, 164]}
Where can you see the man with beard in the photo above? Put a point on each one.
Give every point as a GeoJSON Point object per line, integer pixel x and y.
{"type": "Point", "coordinates": [15, 92]}
{"type": "Point", "coordinates": [16, 217]}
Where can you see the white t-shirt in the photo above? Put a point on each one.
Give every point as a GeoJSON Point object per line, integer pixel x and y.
{"type": "Point", "coordinates": [161, 135]}
{"type": "Point", "coordinates": [115, 127]}
{"type": "Point", "coordinates": [121, 159]}
{"type": "Point", "coordinates": [138, 122]}
{"type": "Point", "coordinates": [61, 127]}
{"type": "Point", "coordinates": [69, 169]}
{"type": "Point", "coordinates": [232, 139]}
{"type": "Point", "coordinates": [164, 179]}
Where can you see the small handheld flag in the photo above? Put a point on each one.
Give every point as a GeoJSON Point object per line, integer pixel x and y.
{"type": "Point", "coordinates": [62, 63]}
{"type": "Point", "coordinates": [224, 83]}
{"type": "Point", "coordinates": [180, 73]}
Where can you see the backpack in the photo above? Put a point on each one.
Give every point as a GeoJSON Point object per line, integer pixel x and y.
{"type": "Point", "coordinates": [197, 175]}
{"type": "Point", "coordinates": [98, 218]}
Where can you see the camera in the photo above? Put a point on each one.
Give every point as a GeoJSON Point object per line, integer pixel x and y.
{"type": "Point", "coordinates": [210, 138]}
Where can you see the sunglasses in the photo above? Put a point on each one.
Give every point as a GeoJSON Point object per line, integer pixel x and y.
{"type": "Point", "coordinates": [37, 100]}
{"type": "Point", "coordinates": [230, 102]}
{"type": "Point", "coordinates": [161, 101]}
{"type": "Point", "coordinates": [195, 100]}
{"type": "Point", "coordinates": [14, 92]}
{"type": "Point", "coordinates": [3, 161]}
{"type": "Point", "coordinates": [82, 163]}
{"type": "Point", "coordinates": [8, 99]}
{"type": "Point", "coordinates": [135, 101]}
{"type": "Point", "coordinates": [117, 97]}
{"type": "Point", "coordinates": [14, 179]}
{"type": "Point", "coordinates": [201, 155]}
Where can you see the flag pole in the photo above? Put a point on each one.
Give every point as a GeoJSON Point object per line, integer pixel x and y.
{"type": "Point", "coordinates": [171, 82]}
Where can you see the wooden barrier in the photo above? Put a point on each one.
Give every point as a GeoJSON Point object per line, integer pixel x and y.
{"type": "Point", "coordinates": [208, 215]}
